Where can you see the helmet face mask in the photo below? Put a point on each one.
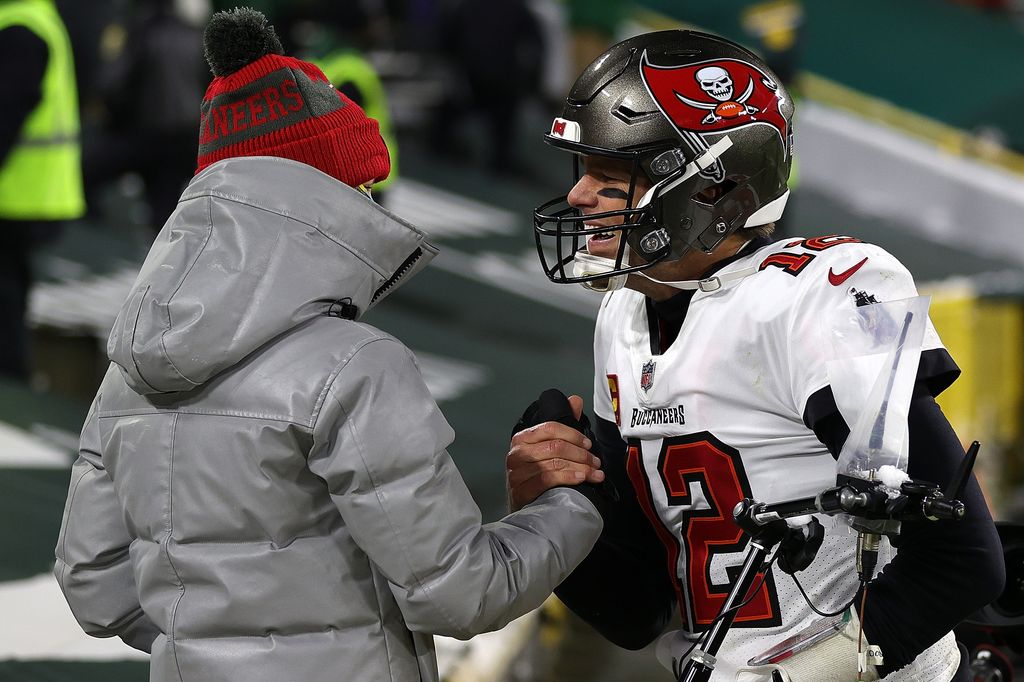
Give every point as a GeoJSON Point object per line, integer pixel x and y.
{"type": "Point", "coordinates": [566, 230]}
{"type": "Point", "coordinates": [703, 120]}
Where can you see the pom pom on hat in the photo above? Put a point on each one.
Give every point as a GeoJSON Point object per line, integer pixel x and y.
{"type": "Point", "coordinates": [237, 38]}
{"type": "Point", "coordinates": [263, 103]}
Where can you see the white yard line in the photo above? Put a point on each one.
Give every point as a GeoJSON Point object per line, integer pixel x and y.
{"type": "Point", "coordinates": [87, 304]}
{"type": "Point", "coordinates": [445, 214]}
{"type": "Point", "coordinates": [38, 625]}
{"type": "Point", "coordinates": [448, 378]}
{"type": "Point", "coordinates": [520, 275]}
{"type": "Point", "coordinates": [22, 449]}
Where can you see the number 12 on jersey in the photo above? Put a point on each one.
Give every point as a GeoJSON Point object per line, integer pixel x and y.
{"type": "Point", "coordinates": [700, 526]}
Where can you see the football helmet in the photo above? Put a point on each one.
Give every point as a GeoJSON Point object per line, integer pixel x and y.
{"type": "Point", "coordinates": [708, 124]}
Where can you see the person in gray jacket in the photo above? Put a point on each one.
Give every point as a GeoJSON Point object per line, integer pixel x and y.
{"type": "Point", "coordinates": [263, 490]}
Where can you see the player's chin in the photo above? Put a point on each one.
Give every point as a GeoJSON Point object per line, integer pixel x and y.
{"type": "Point", "coordinates": [603, 246]}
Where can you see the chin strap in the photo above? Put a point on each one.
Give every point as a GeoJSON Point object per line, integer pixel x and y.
{"type": "Point", "coordinates": [585, 265]}
{"type": "Point", "coordinates": [713, 283]}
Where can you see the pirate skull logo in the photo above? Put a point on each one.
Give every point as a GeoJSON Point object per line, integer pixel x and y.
{"type": "Point", "coordinates": [715, 81]}
{"type": "Point", "coordinates": [714, 97]}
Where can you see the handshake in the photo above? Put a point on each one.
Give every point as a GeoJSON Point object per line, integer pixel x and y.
{"type": "Point", "coordinates": [553, 445]}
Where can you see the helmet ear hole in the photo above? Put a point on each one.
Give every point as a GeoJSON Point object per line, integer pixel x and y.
{"type": "Point", "coordinates": [712, 194]}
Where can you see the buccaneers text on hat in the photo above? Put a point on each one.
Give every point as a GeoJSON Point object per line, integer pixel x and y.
{"type": "Point", "coordinates": [263, 106]}
{"type": "Point", "coordinates": [255, 110]}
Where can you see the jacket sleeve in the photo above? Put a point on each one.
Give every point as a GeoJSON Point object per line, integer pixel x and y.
{"type": "Point", "coordinates": [380, 444]}
{"type": "Point", "coordinates": [93, 568]}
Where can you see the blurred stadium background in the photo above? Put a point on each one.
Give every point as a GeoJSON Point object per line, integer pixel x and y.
{"type": "Point", "coordinates": [908, 135]}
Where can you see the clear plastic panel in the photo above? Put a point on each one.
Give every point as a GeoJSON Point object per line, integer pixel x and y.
{"type": "Point", "coordinates": [876, 350]}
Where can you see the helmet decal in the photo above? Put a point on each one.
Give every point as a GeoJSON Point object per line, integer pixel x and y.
{"type": "Point", "coordinates": [567, 130]}
{"type": "Point", "coordinates": [715, 96]}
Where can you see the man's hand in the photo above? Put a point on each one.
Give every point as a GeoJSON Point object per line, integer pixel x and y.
{"type": "Point", "coordinates": [550, 453]}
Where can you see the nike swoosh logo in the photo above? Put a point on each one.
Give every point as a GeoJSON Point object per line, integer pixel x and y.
{"type": "Point", "coordinates": [836, 279]}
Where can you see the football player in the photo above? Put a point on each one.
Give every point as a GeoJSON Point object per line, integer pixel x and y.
{"type": "Point", "coordinates": [710, 377]}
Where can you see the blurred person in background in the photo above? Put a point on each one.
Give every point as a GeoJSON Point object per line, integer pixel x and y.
{"type": "Point", "coordinates": [86, 23]}
{"type": "Point", "coordinates": [711, 384]}
{"type": "Point", "coordinates": [263, 488]}
{"type": "Point", "coordinates": [496, 50]}
{"type": "Point", "coordinates": [339, 44]}
{"type": "Point", "coordinates": [356, 78]}
{"type": "Point", "coordinates": [594, 25]}
{"type": "Point", "coordinates": [40, 167]}
{"type": "Point", "coordinates": [148, 85]}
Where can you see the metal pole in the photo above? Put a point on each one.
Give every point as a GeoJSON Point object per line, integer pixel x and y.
{"type": "Point", "coordinates": [702, 661]}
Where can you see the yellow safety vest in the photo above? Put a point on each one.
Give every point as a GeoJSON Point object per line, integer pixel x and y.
{"type": "Point", "coordinates": [343, 67]}
{"type": "Point", "coordinates": [41, 178]}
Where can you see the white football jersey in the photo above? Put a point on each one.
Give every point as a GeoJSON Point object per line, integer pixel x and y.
{"type": "Point", "coordinates": [719, 416]}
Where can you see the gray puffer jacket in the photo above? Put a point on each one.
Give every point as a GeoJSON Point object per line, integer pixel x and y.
{"type": "Point", "coordinates": [263, 490]}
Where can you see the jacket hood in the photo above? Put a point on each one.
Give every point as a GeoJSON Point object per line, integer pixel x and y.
{"type": "Point", "coordinates": [256, 246]}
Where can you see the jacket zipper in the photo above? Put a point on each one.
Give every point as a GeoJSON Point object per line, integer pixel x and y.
{"type": "Point", "coordinates": [399, 274]}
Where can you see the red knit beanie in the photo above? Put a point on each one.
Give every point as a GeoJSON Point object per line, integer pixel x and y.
{"type": "Point", "coordinates": [262, 103]}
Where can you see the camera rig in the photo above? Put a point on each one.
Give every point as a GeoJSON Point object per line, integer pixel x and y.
{"type": "Point", "coordinates": [876, 510]}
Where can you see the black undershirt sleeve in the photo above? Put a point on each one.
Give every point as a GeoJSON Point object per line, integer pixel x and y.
{"type": "Point", "coordinates": [622, 589]}
{"type": "Point", "coordinates": [27, 54]}
{"type": "Point", "coordinates": [942, 571]}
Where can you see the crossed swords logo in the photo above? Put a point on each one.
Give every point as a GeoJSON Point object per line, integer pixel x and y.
{"type": "Point", "coordinates": [716, 82]}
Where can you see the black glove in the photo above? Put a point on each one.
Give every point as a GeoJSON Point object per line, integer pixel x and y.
{"type": "Point", "coordinates": [553, 406]}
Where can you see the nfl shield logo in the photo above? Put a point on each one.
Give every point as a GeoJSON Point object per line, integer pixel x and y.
{"type": "Point", "coordinates": [647, 375]}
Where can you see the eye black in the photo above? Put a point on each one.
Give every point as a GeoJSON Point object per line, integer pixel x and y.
{"type": "Point", "coordinates": [612, 193]}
